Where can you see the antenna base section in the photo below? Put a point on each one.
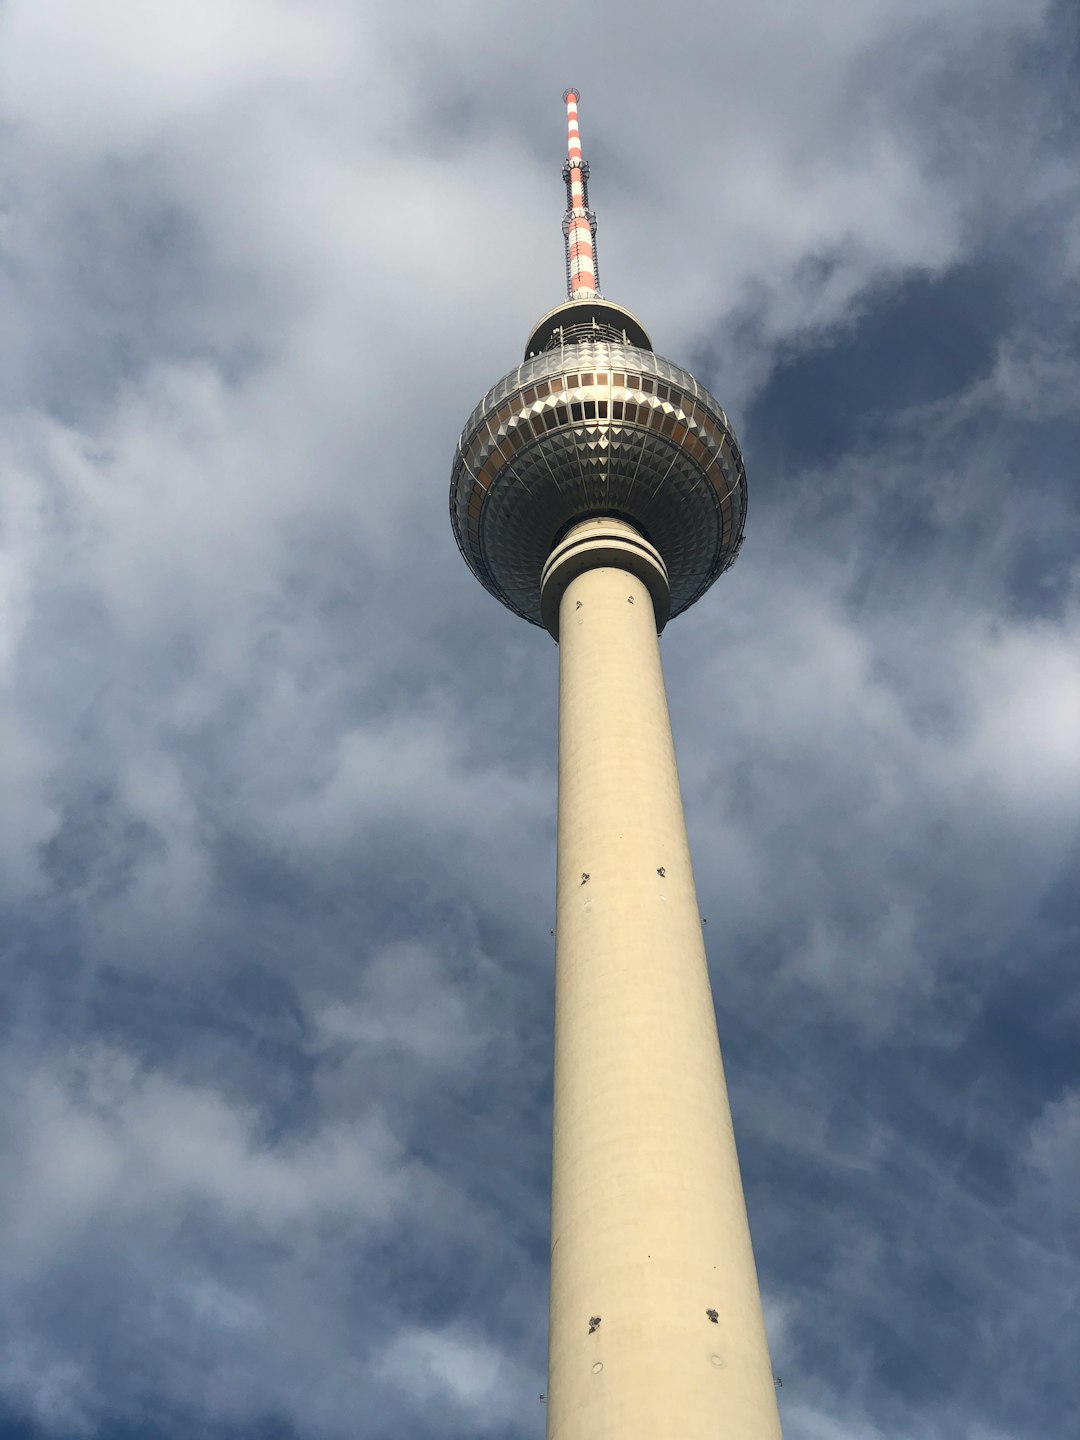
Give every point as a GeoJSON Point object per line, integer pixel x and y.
{"type": "Point", "coordinates": [582, 321]}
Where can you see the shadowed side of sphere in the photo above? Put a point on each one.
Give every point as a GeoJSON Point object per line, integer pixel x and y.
{"type": "Point", "coordinates": [588, 430]}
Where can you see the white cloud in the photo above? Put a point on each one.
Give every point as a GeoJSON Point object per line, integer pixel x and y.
{"type": "Point", "coordinates": [107, 1139]}
{"type": "Point", "coordinates": [262, 259]}
{"type": "Point", "coordinates": [406, 1005]}
{"type": "Point", "coordinates": [1023, 682]}
{"type": "Point", "coordinates": [56, 1392]}
{"type": "Point", "coordinates": [810, 1423]}
{"type": "Point", "coordinates": [116, 77]}
{"type": "Point", "coordinates": [1052, 1158]}
{"type": "Point", "coordinates": [448, 1367]}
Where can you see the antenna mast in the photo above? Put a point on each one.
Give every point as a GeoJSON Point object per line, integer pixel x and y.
{"type": "Point", "coordinates": [579, 223]}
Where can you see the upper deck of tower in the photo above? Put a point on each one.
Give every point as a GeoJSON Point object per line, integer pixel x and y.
{"type": "Point", "coordinates": [593, 423]}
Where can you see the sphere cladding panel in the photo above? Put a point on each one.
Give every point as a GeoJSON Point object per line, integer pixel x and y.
{"type": "Point", "coordinates": [596, 429]}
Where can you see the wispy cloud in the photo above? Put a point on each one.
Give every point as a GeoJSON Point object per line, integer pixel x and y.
{"type": "Point", "coordinates": [276, 868]}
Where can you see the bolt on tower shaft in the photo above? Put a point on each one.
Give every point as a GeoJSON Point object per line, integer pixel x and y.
{"type": "Point", "coordinates": [597, 490]}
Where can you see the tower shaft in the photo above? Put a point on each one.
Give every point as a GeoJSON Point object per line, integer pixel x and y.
{"type": "Point", "coordinates": [649, 1228]}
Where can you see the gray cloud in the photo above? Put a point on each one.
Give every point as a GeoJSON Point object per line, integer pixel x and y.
{"type": "Point", "coordinates": [277, 862]}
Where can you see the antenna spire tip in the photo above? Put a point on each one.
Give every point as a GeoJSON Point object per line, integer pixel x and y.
{"type": "Point", "coordinates": [572, 94]}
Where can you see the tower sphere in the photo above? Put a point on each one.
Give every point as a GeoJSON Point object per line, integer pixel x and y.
{"type": "Point", "coordinates": [594, 423]}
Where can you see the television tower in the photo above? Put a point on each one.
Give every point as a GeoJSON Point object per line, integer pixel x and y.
{"type": "Point", "coordinates": [597, 490]}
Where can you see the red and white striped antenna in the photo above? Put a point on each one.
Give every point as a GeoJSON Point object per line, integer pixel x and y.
{"type": "Point", "coordinates": [579, 223]}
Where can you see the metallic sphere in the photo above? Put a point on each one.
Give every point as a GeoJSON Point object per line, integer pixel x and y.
{"type": "Point", "coordinates": [600, 428]}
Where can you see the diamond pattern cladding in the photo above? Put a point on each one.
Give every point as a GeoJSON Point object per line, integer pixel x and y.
{"type": "Point", "coordinates": [593, 429]}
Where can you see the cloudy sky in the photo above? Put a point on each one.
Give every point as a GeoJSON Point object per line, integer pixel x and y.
{"type": "Point", "coordinates": [277, 849]}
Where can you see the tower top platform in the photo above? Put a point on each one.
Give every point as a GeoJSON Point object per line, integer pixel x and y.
{"type": "Point", "coordinates": [576, 322]}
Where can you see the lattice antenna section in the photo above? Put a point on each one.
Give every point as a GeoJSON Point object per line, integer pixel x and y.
{"type": "Point", "coordinates": [579, 223]}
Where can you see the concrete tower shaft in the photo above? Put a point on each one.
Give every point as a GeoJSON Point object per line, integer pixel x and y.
{"type": "Point", "coordinates": [656, 1329]}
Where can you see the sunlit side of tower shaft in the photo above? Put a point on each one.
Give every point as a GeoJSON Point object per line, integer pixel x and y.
{"type": "Point", "coordinates": [598, 490]}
